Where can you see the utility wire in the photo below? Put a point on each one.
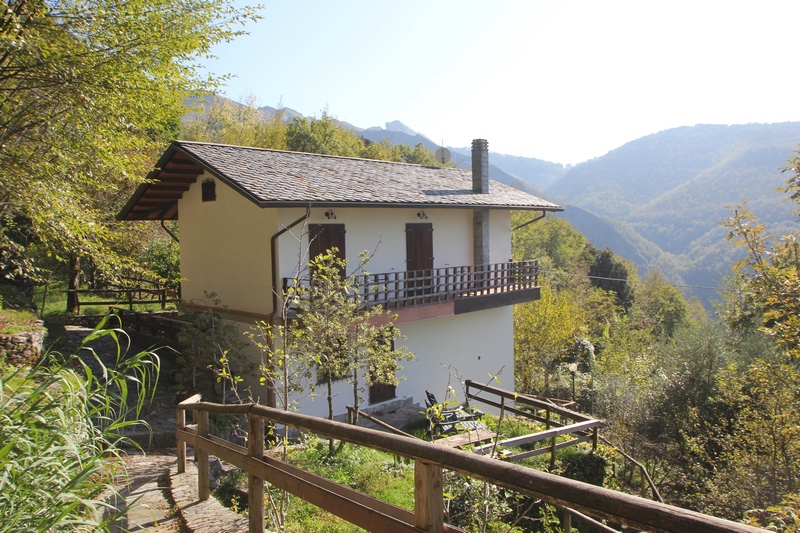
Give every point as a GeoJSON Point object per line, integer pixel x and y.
{"type": "Point", "coordinates": [677, 285]}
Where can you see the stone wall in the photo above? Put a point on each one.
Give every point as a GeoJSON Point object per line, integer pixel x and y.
{"type": "Point", "coordinates": [22, 348]}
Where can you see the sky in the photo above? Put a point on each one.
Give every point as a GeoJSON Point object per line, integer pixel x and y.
{"type": "Point", "coordinates": [562, 81]}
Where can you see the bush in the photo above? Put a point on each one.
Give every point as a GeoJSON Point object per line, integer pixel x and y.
{"type": "Point", "coordinates": [61, 428]}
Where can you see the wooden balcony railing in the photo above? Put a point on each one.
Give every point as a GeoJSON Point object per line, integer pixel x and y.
{"type": "Point", "coordinates": [372, 514]}
{"type": "Point", "coordinates": [399, 290]}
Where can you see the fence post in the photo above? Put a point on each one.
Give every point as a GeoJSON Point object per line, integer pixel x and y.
{"type": "Point", "coordinates": [567, 521]}
{"type": "Point", "coordinates": [201, 455]}
{"type": "Point", "coordinates": [255, 448]}
{"type": "Point", "coordinates": [428, 497]}
{"type": "Point", "coordinates": [180, 423]}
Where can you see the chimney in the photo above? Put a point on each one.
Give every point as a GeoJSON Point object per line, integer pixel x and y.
{"type": "Point", "coordinates": [480, 217]}
{"type": "Point", "coordinates": [480, 166]}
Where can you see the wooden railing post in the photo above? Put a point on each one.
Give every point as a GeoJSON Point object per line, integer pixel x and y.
{"type": "Point", "coordinates": [255, 448]}
{"type": "Point", "coordinates": [201, 455]}
{"type": "Point", "coordinates": [567, 521]}
{"type": "Point", "coordinates": [180, 423]}
{"type": "Point", "coordinates": [428, 497]}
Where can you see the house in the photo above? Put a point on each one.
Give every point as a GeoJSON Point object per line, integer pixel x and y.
{"type": "Point", "coordinates": [441, 239]}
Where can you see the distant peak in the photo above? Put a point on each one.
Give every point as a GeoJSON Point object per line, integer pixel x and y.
{"type": "Point", "coordinates": [396, 125]}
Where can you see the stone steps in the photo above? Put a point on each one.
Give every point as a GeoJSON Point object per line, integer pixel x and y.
{"type": "Point", "coordinates": [164, 501]}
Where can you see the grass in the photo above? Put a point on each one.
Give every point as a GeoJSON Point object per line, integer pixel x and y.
{"type": "Point", "coordinates": [12, 321]}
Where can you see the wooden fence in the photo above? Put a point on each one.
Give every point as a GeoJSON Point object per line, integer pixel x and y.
{"type": "Point", "coordinates": [129, 297]}
{"type": "Point", "coordinates": [430, 461]}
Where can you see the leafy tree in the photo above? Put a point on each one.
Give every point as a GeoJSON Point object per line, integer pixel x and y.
{"type": "Point", "coordinates": [663, 305]}
{"type": "Point", "coordinates": [544, 333]}
{"type": "Point", "coordinates": [610, 273]}
{"type": "Point", "coordinates": [322, 136]}
{"type": "Point", "coordinates": [88, 89]}
{"type": "Point", "coordinates": [224, 121]}
{"type": "Point", "coordinates": [770, 272]}
{"type": "Point", "coordinates": [338, 335]}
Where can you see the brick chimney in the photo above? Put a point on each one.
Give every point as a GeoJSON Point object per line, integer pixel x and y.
{"type": "Point", "coordinates": [480, 166]}
{"type": "Point", "coordinates": [480, 217]}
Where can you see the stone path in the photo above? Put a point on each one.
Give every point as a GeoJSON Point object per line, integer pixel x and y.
{"type": "Point", "coordinates": [161, 500]}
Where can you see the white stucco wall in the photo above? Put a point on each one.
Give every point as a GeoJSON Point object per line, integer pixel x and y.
{"type": "Point", "coordinates": [475, 345]}
{"type": "Point", "coordinates": [382, 231]}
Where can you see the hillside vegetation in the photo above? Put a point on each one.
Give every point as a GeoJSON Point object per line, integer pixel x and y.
{"type": "Point", "coordinates": [709, 406]}
{"type": "Point", "coordinates": [666, 193]}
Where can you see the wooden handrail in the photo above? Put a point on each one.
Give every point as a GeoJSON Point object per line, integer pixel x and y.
{"type": "Point", "coordinates": [430, 458]}
{"type": "Point", "coordinates": [401, 289]}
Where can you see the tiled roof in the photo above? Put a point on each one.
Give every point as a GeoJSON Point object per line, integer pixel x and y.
{"type": "Point", "coordinates": [273, 178]}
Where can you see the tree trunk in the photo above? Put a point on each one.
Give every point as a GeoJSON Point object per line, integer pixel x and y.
{"type": "Point", "coordinates": [356, 403]}
{"type": "Point", "coordinates": [330, 408]}
{"type": "Point", "coordinates": [73, 282]}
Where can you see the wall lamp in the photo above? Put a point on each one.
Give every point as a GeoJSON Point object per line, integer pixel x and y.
{"type": "Point", "coordinates": [329, 214]}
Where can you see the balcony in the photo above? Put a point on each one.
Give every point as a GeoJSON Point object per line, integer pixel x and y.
{"type": "Point", "coordinates": [468, 288]}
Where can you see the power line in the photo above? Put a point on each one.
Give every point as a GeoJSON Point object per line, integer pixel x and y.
{"type": "Point", "coordinates": [677, 285]}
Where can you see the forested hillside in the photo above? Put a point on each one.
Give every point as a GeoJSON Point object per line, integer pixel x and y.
{"type": "Point", "coordinates": [671, 189]}
{"type": "Point", "coordinates": [709, 406]}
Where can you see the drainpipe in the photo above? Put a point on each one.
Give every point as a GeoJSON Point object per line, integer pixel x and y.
{"type": "Point", "coordinates": [164, 227]}
{"type": "Point", "coordinates": [531, 221]}
{"type": "Point", "coordinates": [273, 245]}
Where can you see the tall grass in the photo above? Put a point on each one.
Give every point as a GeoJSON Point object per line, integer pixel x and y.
{"type": "Point", "coordinates": [61, 431]}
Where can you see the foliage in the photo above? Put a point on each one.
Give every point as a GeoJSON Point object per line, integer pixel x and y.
{"type": "Point", "coordinates": [88, 89]}
{"type": "Point", "coordinates": [582, 466]}
{"type": "Point", "coordinates": [162, 257]}
{"type": "Point", "coordinates": [544, 333]}
{"type": "Point", "coordinates": [224, 121]}
{"type": "Point", "coordinates": [61, 432]}
{"type": "Point", "coordinates": [746, 457]}
{"type": "Point", "coordinates": [220, 120]}
{"type": "Point", "coordinates": [610, 273]}
{"type": "Point", "coordinates": [338, 335]}
{"type": "Point", "coordinates": [771, 270]}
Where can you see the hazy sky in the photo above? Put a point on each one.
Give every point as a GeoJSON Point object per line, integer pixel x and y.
{"type": "Point", "coordinates": [561, 81]}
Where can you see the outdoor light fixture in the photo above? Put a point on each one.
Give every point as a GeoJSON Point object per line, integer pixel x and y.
{"type": "Point", "coordinates": [421, 215]}
{"type": "Point", "coordinates": [329, 214]}
{"type": "Point", "coordinates": [573, 367]}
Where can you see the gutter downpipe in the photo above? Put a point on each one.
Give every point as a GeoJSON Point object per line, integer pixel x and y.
{"type": "Point", "coordinates": [273, 251]}
{"type": "Point", "coordinates": [531, 221]}
{"type": "Point", "coordinates": [273, 244]}
{"type": "Point", "coordinates": [164, 227]}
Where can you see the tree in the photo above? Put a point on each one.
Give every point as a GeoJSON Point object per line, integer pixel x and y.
{"type": "Point", "coordinates": [770, 272]}
{"type": "Point", "coordinates": [88, 89]}
{"type": "Point", "coordinates": [544, 333]}
{"type": "Point", "coordinates": [610, 273]}
{"type": "Point", "coordinates": [341, 337]}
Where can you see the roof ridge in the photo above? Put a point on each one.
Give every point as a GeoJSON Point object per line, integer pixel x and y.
{"type": "Point", "coordinates": [180, 142]}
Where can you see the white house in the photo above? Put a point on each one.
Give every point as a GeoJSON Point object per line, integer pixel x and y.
{"type": "Point", "coordinates": [441, 239]}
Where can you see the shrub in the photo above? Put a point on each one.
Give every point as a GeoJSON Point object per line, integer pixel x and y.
{"type": "Point", "coordinates": [61, 428]}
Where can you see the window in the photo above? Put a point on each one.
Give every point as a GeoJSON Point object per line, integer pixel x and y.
{"type": "Point", "coordinates": [209, 190]}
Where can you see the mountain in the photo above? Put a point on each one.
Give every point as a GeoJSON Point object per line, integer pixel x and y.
{"type": "Point", "coordinates": [671, 189]}
{"type": "Point", "coordinates": [657, 200]}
